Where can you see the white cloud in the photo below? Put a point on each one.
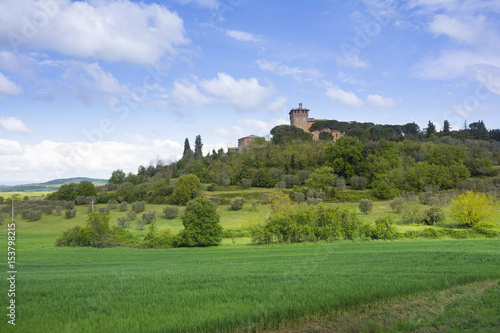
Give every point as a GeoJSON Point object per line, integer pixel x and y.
{"type": "Point", "coordinates": [122, 31]}
{"type": "Point", "coordinates": [278, 105]}
{"type": "Point", "coordinates": [346, 98]}
{"type": "Point", "coordinates": [244, 95]}
{"type": "Point", "coordinates": [243, 36]}
{"type": "Point", "coordinates": [12, 124]}
{"type": "Point", "coordinates": [257, 127]}
{"type": "Point", "coordinates": [210, 4]}
{"type": "Point", "coordinates": [454, 28]}
{"type": "Point", "coordinates": [48, 159]}
{"type": "Point", "coordinates": [7, 87]}
{"type": "Point", "coordinates": [353, 61]}
{"type": "Point", "coordinates": [379, 101]}
{"type": "Point", "coordinates": [297, 73]}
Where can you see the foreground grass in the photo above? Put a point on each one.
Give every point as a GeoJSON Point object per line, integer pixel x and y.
{"type": "Point", "coordinates": [230, 288]}
{"type": "Point", "coordinates": [473, 307]}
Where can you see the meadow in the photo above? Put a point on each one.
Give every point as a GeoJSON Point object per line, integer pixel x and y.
{"type": "Point", "coordinates": [236, 286]}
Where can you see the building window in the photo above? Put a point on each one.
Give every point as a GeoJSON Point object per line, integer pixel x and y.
{"type": "Point", "coordinates": [303, 119]}
{"type": "Point", "coordinates": [300, 126]}
{"type": "Point", "coordinates": [296, 119]}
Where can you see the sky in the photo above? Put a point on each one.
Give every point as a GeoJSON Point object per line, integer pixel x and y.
{"type": "Point", "coordinates": [92, 86]}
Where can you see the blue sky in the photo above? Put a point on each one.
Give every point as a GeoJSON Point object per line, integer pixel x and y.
{"type": "Point", "coordinates": [92, 86]}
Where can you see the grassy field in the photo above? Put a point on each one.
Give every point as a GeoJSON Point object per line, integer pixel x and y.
{"type": "Point", "coordinates": [235, 286]}
{"type": "Point", "coordinates": [229, 288]}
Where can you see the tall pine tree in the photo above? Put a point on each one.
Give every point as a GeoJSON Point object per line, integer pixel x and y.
{"type": "Point", "coordinates": [188, 153]}
{"type": "Point", "coordinates": [198, 154]}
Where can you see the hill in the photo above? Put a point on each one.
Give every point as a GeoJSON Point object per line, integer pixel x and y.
{"type": "Point", "coordinates": [51, 185]}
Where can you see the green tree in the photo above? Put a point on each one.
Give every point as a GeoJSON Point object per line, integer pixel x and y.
{"type": "Point", "coordinates": [85, 189]}
{"type": "Point", "coordinates": [431, 129]}
{"type": "Point", "coordinates": [283, 134]}
{"type": "Point", "coordinates": [188, 153]}
{"type": "Point", "coordinates": [479, 131]}
{"type": "Point", "coordinates": [186, 188]}
{"type": "Point", "coordinates": [471, 208]}
{"type": "Point", "coordinates": [321, 178]}
{"type": "Point", "coordinates": [198, 145]}
{"type": "Point", "coordinates": [446, 128]}
{"type": "Point", "coordinates": [201, 224]}
{"type": "Point", "coordinates": [365, 206]}
{"type": "Point", "coordinates": [344, 156]}
{"type": "Point", "coordinates": [65, 193]}
{"type": "Point", "coordinates": [117, 177]}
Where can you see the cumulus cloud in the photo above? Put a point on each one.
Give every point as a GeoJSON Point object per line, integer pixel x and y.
{"type": "Point", "coordinates": [244, 95]}
{"type": "Point", "coordinates": [48, 159]}
{"type": "Point", "coordinates": [461, 31]}
{"type": "Point", "coordinates": [7, 87]}
{"type": "Point", "coordinates": [115, 31]}
{"type": "Point", "coordinates": [12, 124]}
{"type": "Point", "coordinates": [346, 98]}
{"type": "Point", "coordinates": [379, 101]}
{"type": "Point", "coordinates": [243, 36]}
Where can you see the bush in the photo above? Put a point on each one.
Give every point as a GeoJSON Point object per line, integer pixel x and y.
{"type": "Point", "coordinates": [314, 201]}
{"type": "Point", "coordinates": [384, 191]}
{"type": "Point", "coordinates": [112, 203]}
{"type": "Point", "coordinates": [69, 204]}
{"type": "Point", "coordinates": [226, 182]}
{"type": "Point", "coordinates": [425, 198]}
{"type": "Point", "coordinates": [384, 229]}
{"type": "Point", "coordinates": [299, 197]}
{"type": "Point", "coordinates": [365, 206]}
{"type": "Point", "coordinates": [104, 210]}
{"type": "Point", "coordinates": [412, 213]}
{"type": "Point", "coordinates": [123, 207]}
{"type": "Point", "coordinates": [70, 213]}
{"type": "Point", "coordinates": [216, 201]}
{"type": "Point", "coordinates": [132, 215]}
{"type": "Point", "coordinates": [34, 215]}
{"type": "Point", "coordinates": [186, 189]}
{"type": "Point", "coordinates": [149, 217]}
{"type": "Point", "coordinates": [280, 185]}
{"type": "Point", "coordinates": [212, 187]}
{"type": "Point", "coordinates": [471, 208]}
{"type": "Point", "coordinates": [124, 221]}
{"type": "Point", "coordinates": [201, 224]}
{"type": "Point", "coordinates": [158, 240]}
{"type": "Point", "coordinates": [246, 182]}
{"type": "Point", "coordinates": [81, 200]}
{"type": "Point", "coordinates": [291, 181]}
{"type": "Point", "coordinates": [141, 224]}
{"type": "Point", "coordinates": [255, 205]}
{"type": "Point", "coordinates": [138, 206]}
{"type": "Point", "coordinates": [312, 194]}
{"type": "Point", "coordinates": [340, 183]}
{"type": "Point", "coordinates": [48, 209]}
{"type": "Point", "coordinates": [171, 212]}
{"type": "Point", "coordinates": [358, 183]}
{"type": "Point", "coordinates": [237, 203]}
{"type": "Point", "coordinates": [433, 215]}
{"type": "Point", "coordinates": [59, 208]}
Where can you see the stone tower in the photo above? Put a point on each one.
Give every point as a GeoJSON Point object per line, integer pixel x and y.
{"type": "Point", "coordinates": [299, 118]}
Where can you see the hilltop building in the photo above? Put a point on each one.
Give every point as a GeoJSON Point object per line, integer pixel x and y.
{"type": "Point", "coordinates": [300, 118]}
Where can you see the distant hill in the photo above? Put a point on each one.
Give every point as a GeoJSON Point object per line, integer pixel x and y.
{"type": "Point", "coordinates": [76, 180]}
{"type": "Point", "coordinates": [51, 185]}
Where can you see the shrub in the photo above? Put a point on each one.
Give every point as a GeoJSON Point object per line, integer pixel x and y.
{"type": "Point", "coordinates": [81, 200]}
{"type": "Point", "coordinates": [48, 209]}
{"type": "Point", "coordinates": [255, 205]}
{"type": "Point", "coordinates": [149, 217]}
{"type": "Point", "coordinates": [124, 221]}
{"type": "Point", "coordinates": [69, 204]}
{"type": "Point", "coordinates": [280, 185]}
{"type": "Point", "coordinates": [384, 229]}
{"type": "Point", "coordinates": [384, 191]}
{"type": "Point", "coordinates": [138, 206]}
{"type": "Point", "coordinates": [425, 198]}
{"type": "Point", "coordinates": [358, 183]}
{"type": "Point", "coordinates": [34, 215]}
{"type": "Point", "coordinates": [2, 219]}
{"type": "Point", "coordinates": [201, 224]}
{"type": "Point", "coordinates": [291, 181]}
{"type": "Point", "coordinates": [215, 200]}
{"type": "Point", "coordinates": [158, 240]}
{"type": "Point", "coordinates": [314, 201]}
{"type": "Point", "coordinates": [132, 215]}
{"type": "Point", "coordinates": [412, 213]}
{"type": "Point", "coordinates": [70, 213]}
{"type": "Point", "coordinates": [237, 203]}
{"type": "Point", "coordinates": [112, 203]}
{"type": "Point", "coordinates": [123, 207]}
{"type": "Point", "coordinates": [59, 208]}
{"type": "Point", "coordinates": [246, 182]}
{"type": "Point", "coordinates": [212, 187]}
{"type": "Point", "coordinates": [299, 197]}
{"type": "Point", "coordinates": [312, 194]}
{"type": "Point", "coordinates": [141, 224]}
{"type": "Point", "coordinates": [171, 212]}
{"type": "Point", "coordinates": [186, 189]}
{"type": "Point", "coordinates": [365, 206]}
{"type": "Point", "coordinates": [104, 210]}
{"type": "Point", "coordinates": [433, 215]}
{"type": "Point", "coordinates": [471, 208]}
{"type": "Point", "coordinates": [340, 183]}
{"type": "Point", "coordinates": [226, 182]}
